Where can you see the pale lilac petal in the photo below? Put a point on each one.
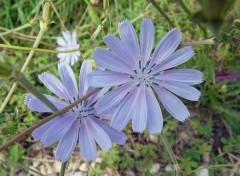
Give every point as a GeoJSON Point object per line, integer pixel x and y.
{"type": "Point", "coordinates": [99, 135]}
{"type": "Point", "coordinates": [147, 35]}
{"type": "Point", "coordinates": [54, 85]}
{"type": "Point", "coordinates": [58, 129]}
{"type": "Point", "coordinates": [61, 42]}
{"type": "Point", "coordinates": [74, 38]}
{"type": "Point", "coordinates": [167, 45]}
{"type": "Point", "coordinates": [173, 105]}
{"type": "Point", "coordinates": [111, 61]}
{"type": "Point", "coordinates": [68, 79]}
{"type": "Point", "coordinates": [92, 99]}
{"type": "Point", "coordinates": [115, 136]}
{"type": "Point", "coordinates": [67, 143]}
{"type": "Point", "coordinates": [112, 98]}
{"type": "Point", "coordinates": [36, 105]}
{"type": "Point", "coordinates": [187, 76]}
{"type": "Point", "coordinates": [67, 35]}
{"type": "Point", "coordinates": [108, 114]}
{"type": "Point", "coordinates": [129, 38]}
{"type": "Point", "coordinates": [177, 58]}
{"type": "Point", "coordinates": [124, 110]}
{"type": "Point", "coordinates": [106, 79]}
{"type": "Point", "coordinates": [119, 49]}
{"type": "Point", "coordinates": [154, 117]}
{"type": "Point", "coordinates": [83, 84]}
{"type": "Point", "coordinates": [86, 142]}
{"type": "Point", "coordinates": [139, 120]}
{"type": "Point", "coordinates": [183, 90]}
{"type": "Point", "coordinates": [40, 131]}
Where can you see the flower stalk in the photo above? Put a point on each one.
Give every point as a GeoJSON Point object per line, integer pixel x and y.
{"type": "Point", "coordinates": [171, 154]}
{"type": "Point", "coordinates": [63, 168]}
{"type": "Point", "coordinates": [43, 28]}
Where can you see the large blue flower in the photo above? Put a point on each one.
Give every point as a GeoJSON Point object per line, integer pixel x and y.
{"type": "Point", "coordinates": [137, 71]}
{"type": "Point", "coordinates": [78, 124]}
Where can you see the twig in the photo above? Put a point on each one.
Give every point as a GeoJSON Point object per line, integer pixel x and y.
{"type": "Point", "coordinates": [155, 4]}
{"type": "Point", "coordinates": [43, 121]}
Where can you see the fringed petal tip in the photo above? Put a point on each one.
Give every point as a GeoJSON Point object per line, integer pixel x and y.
{"type": "Point", "coordinates": [147, 19]}
{"type": "Point", "coordinates": [184, 119]}
{"type": "Point", "coordinates": [27, 99]}
{"type": "Point", "coordinates": [122, 22]}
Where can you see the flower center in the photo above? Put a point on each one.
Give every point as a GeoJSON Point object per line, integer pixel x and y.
{"type": "Point", "coordinates": [142, 74]}
{"type": "Point", "coordinates": [83, 111]}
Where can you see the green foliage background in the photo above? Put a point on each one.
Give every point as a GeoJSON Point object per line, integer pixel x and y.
{"type": "Point", "coordinates": [215, 122]}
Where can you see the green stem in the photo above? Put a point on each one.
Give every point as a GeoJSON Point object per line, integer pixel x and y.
{"type": "Point", "coordinates": [16, 29]}
{"type": "Point", "coordinates": [46, 119]}
{"type": "Point", "coordinates": [41, 50]}
{"type": "Point", "coordinates": [171, 154]}
{"type": "Point", "coordinates": [63, 168]}
{"type": "Point", "coordinates": [155, 4]}
{"type": "Point", "coordinates": [56, 12]}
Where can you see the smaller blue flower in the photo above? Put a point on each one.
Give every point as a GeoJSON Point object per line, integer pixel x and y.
{"type": "Point", "coordinates": [81, 123]}
{"type": "Point", "coordinates": [138, 73]}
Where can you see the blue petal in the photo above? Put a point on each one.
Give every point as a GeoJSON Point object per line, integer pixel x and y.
{"type": "Point", "coordinates": [154, 119]}
{"type": "Point", "coordinates": [167, 45]}
{"type": "Point", "coordinates": [186, 76]}
{"type": "Point", "coordinates": [118, 48]}
{"type": "Point", "coordinates": [129, 38]}
{"type": "Point", "coordinates": [58, 129]}
{"type": "Point", "coordinates": [177, 58]}
{"type": "Point", "coordinates": [112, 98]}
{"type": "Point", "coordinates": [40, 131]}
{"type": "Point", "coordinates": [139, 120]}
{"type": "Point", "coordinates": [182, 90]}
{"type": "Point", "coordinates": [115, 136]}
{"type": "Point", "coordinates": [36, 105]}
{"type": "Point", "coordinates": [110, 60]}
{"type": "Point", "coordinates": [55, 85]}
{"type": "Point", "coordinates": [68, 79]}
{"type": "Point", "coordinates": [173, 105]}
{"type": "Point", "coordinates": [99, 135]}
{"type": "Point", "coordinates": [147, 35]}
{"type": "Point", "coordinates": [67, 143]}
{"type": "Point", "coordinates": [106, 79]}
{"type": "Point", "coordinates": [124, 110]}
{"type": "Point", "coordinates": [86, 142]}
{"type": "Point", "coordinates": [86, 68]}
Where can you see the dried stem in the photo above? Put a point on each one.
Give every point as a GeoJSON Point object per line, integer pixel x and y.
{"type": "Point", "coordinates": [43, 121]}
{"type": "Point", "coordinates": [199, 42]}
{"type": "Point", "coordinates": [171, 154]}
